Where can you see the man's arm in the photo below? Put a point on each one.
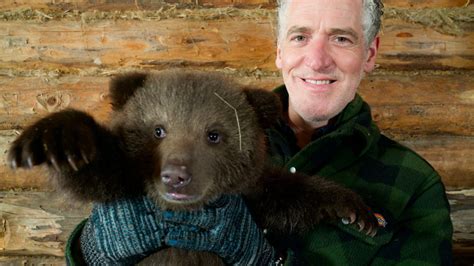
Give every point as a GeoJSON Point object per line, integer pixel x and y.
{"type": "Point", "coordinates": [420, 235]}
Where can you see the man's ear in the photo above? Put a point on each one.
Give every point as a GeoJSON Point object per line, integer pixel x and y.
{"type": "Point", "coordinates": [278, 60]}
{"type": "Point", "coordinates": [123, 86]}
{"type": "Point", "coordinates": [266, 104]}
{"type": "Point", "coordinates": [369, 63]}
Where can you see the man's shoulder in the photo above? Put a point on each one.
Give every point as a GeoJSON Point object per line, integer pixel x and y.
{"type": "Point", "coordinates": [395, 172]}
{"type": "Point", "coordinates": [393, 153]}
{"type": "Point", "coordinates": [391, 176]}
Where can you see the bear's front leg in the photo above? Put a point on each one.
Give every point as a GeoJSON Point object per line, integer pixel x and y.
{"type": "Point", "coordinates": [295, 203]}
{"type": "Point", "coordinates": [83, 157]}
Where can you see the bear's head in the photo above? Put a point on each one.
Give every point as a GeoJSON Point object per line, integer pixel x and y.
{"type": "Point", "coordinates": [192, 135]}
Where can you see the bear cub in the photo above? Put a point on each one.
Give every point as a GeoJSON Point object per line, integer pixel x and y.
{"type": "Point", "coordinates": [184, 138]}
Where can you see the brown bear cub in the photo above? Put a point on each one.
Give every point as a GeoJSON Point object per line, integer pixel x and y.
{"type": "Point", "coordinates": [184, 138]}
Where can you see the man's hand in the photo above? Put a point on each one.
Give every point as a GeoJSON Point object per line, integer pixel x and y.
{"type": "Point", "coordinates": [121, 232]}
{"type": "Point", "coordinates": [225, 227]}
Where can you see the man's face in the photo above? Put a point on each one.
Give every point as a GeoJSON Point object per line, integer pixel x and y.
{"type": "Point", "coordinates": [323, 56]}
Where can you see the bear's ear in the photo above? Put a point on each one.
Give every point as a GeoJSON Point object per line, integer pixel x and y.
{"type": "Point", "coordinates": [266, 104]}
{"type": "Point", "coordinates": [123, 86]}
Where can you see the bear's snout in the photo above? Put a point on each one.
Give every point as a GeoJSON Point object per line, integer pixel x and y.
{"type": "Point", "coordinates": [175, 176]}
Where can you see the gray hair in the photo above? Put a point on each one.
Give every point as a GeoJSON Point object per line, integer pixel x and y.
{"type": "Point", "coordinates": [372, 11]}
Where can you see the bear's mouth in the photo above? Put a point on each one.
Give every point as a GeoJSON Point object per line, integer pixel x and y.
{"type": "Point", "coordinates": [179, 197]}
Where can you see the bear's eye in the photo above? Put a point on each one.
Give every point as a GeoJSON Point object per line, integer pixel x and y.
{"type": "Point", "coordinates": [214, 137]}
{"type": "Point", "coordinates": [160, 132]}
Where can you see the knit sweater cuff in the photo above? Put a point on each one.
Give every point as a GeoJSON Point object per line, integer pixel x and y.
{"type": "Point", "coordinates": [72, 256]}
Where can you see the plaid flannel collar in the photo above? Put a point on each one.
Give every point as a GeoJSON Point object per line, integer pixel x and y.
{"type": "Point", "coordinates": [347, 137]}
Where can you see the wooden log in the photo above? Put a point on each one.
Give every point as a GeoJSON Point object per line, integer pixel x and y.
{"type": "Point", "coordinates": [132, 4]}
{"type": "Point", "coordinates": [224, 3]}
{"type": "Point", "coordinates": [110, 39]}
{"type": "Point", "coordinates": [387, 3]}
{"type": "Point", "coordinates": [403, 103]}
{"type": "Point", "coordinates": [411, 103]}
{"type": "Point", "coordinates": [32, 260]}
{"type": "Point", "coordinates": [426, 3]}
{"type": "Point", "coordinates": [450, 156]}
{"type": "Point", "coordinates": [38, 223]}
{"type": "Point", "coordinates": [410, 46]}
{"type": "Point", "coordinates": [462, 214]}
{"type": "Point", "coordinates": [27, 99]}
{"type": "Point", "coordinates": [125, 43]}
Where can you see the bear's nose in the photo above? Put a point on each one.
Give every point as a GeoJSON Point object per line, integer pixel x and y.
{"type": "Point", "coordinates": [175, 176]}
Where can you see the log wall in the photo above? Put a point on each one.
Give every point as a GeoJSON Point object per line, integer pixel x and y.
{"type": "Point", "coordinates": [61, 53]}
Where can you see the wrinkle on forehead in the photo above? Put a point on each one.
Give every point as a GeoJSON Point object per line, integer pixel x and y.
{"type": "Point", "coordinates": [315, 15]}
{"type": "Point", "coordinates": [324, 5]}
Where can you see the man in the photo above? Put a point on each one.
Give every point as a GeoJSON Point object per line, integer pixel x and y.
{"type": "Point", "coordinates": [324, 49]}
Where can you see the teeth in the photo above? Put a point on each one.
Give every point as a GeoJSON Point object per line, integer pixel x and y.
{"type": "Point", "coordinates": [318, 82]}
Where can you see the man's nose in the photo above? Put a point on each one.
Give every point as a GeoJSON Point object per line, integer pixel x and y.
{"type": "Point", "coordinates": [318, 56]}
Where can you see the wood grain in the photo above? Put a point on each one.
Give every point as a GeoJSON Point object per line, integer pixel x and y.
{"type": "Point", "coordinates": [152, 42]}
{"type": "Point", "coordinates": [451, 156]}
{"type": "Point", "coordinates": [37, 223]}
{"type": "Point", "coordinates": [412, 46]}
{"type": "Point", "coordinates": [426, 3]}
{"type": "Point", "coordinates": [411, 103]}
{"type": "Point", "coordinates": [462, 214]}
{"type": "Point", "coordinates": [32, 260]}
{"type": "Point", "coordinates": [403, 103]}
{"type": "Point", "coordinates": [109, 4]}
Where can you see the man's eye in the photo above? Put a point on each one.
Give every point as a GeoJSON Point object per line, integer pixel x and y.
{"type": "Point", "coordinates": [298, 38]}
{"type": "Point", "coordinates": [341, 39]}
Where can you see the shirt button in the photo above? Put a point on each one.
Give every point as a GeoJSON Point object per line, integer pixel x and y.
{"type": "Point", "coordinates": [292, 170]}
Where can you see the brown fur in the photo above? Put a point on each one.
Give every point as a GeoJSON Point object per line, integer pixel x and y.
{"type": "Point", "coordinates": [126, 158]}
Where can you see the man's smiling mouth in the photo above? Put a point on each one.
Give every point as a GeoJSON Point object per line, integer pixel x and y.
{"type": "Point", "coordinates": [319, 82]}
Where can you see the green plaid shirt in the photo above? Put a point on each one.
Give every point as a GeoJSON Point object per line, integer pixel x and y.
{"type": "Point", "coordinates": [395, 181]}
